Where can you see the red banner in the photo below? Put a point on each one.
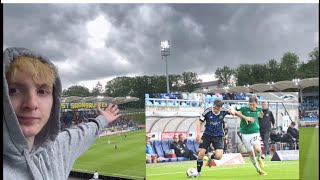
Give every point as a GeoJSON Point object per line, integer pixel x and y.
{"type": "Point", "coordinates": [169, 135]}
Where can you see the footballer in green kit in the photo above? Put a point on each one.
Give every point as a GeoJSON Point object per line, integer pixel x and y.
{"type": "Point", "coordinates": [249, 128]}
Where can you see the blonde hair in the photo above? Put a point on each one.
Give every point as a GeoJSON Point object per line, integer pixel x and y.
{"type": "Point", "coordinates": [35, 67]}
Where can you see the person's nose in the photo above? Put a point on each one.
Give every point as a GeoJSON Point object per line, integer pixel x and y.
{"type": "Point", "coordinates": [30, 101]}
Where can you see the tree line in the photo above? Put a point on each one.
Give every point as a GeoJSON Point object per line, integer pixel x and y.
{"type": "Point", "coordinates": [290, 67]}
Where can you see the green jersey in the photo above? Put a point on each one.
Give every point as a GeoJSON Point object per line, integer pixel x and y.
{"type": "Point", "coordinates": [251, 127]}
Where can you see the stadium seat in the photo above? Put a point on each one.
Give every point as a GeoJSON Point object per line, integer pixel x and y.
{"type": "Point", "coordinates": [156, 103]}
{"type": "Point", "coordinates": [158, 149]}
{"type": "Point", "coordinates": [149, 103]}
{"type": "Point", "coordinates": [196, 146]}
{"type": "Point", "coordinates": [185, 96]}
{"type": "Point", "coordinates": [166, 146]}
{"type": "Point", "coordinates": [163, 103]}
{"type": "Point", "coordinates": [208, 105]}
{"type": "Point", "coordinates": [169, 142]}
{"type": "Point", "coordinates": [190, 145]}
{"type": "Point", "coordinates": [220, 97]}
{"type": "Point", "coordinates": [146, 95]}
{"type": "Point", "coordinates": [207, 98]}
{"type": "Point", "coordinates": [184, 104]}
{"type": "Point", "coordinates": [212, 99]}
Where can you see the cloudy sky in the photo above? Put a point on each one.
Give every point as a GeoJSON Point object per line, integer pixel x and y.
{"type": "Point", "coordinates": [97, 42]}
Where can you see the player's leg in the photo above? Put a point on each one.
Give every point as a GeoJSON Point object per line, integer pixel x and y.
{"type": "Point", "coordinates": [262, 135]}
{"type": "Point", "coordinates": [218, 145]}
{"type": "Point", "coordinates": [257, 148]}
{"type": "Point", "coordinates": [204, 144]}
{"type": "Point", "coordinates": [247, 139]}
{"type": "Point", "coordinates": [201, 154]}
{"type": "Point", "coordinates": [266, 143]}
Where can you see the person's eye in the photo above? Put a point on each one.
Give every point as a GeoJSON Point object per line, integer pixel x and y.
{"type": "Point", "coordinates": [13, 91]}
{"type": "Point", "coordinates": [44, 92]}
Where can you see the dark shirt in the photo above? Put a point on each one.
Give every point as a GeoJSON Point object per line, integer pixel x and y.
{"type": "Point", "coordinates": [179, 148]}
{"type": "Point", "coordinates": [214, 123]}
{"type": "Point", "coordinates": [278, 137]}
{"type": "Point", "coordinates": [293, 132]}
{"type": "Point", "coordinates": [266, 120]}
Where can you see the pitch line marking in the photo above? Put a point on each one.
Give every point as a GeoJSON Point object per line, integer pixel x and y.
{"type": "Point", "coordinates": [209, 170]}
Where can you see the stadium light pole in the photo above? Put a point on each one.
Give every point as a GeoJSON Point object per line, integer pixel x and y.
{"type": "Point", "coordinates": [165, 51]}
{"type": "Point", "coordinates": [296, 82]}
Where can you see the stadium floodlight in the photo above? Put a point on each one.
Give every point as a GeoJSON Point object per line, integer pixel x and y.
{"type": "Point", "coordinates": [165, 51]}
{"type": "Point", "coordinates": [296, 81]}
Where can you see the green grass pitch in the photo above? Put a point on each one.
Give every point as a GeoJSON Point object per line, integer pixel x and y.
{"type": "Point", "coordinates": [305, 169]}
{"type": "Point", "coordinates": [128, 161]}
{"type": "Point", "coordinates": [309, 153]}
{"type": "Point", "coordinates": [177, 170]}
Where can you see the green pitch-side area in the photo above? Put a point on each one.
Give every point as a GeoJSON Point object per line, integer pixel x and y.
{"type": "Point", "coordinates": [309, 153]}
{"type": "Point", "coordinates": [177, 170]}
{"type": "Point", "coordinates": [128, 161]}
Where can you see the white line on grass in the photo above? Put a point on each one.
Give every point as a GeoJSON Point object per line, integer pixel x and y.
{"type": "Point", "coordinates": [215, 169]}
{"type": "Point", "coordinates": [107, 174]}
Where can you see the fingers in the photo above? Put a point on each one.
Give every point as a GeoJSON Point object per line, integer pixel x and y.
{"type": "Point", "coordinates": [114, 109]}
{"type": "Point", "coordinates": [109, 106]}
{"type": "Point", "coordinates": [99, 109]}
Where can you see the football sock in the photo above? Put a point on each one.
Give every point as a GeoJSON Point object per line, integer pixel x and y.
{"type": "Point", "coordinates": [254, 162]}
{"type": "Point", "coordinates": [258, 155]}
{"type": "Point", "coordinates": [199, 164]}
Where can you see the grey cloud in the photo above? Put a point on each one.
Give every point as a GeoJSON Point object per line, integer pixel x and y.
{"type": "Point", "coordinates": [203, 37]}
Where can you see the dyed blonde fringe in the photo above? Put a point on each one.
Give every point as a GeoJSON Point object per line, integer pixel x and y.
{"type": "Point", "coordinates": [40, 71]}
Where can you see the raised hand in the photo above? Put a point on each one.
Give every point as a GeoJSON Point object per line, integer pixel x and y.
{"type": "Point", "coordinates": [111, 113]}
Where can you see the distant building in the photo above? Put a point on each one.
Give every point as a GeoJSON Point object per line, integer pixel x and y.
{"type": "Point", "coordinates": [209, 85]}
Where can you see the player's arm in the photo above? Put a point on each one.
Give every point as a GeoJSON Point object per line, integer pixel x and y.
{"type": "Point", "coordinates": [240, 115]}
{"type": "Point", "coordinates": [231, 111]}
{"type": "Point", "coordinates": [199, 125]}
{"type": "Point", "coordinates": [272, 119]}
{"type": "Point", "coordinates": [260, 114]}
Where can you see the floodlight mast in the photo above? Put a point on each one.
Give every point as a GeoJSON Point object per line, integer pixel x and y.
{"type": "Point", "coordinates": [165, 51]}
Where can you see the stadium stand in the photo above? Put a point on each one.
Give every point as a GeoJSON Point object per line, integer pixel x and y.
{"type": "Point", "coordinates": [159, 150]}
{"type": "Point", "coordinates": [191, 146]}
{"type": "Point", "coordinates": [172, 125]}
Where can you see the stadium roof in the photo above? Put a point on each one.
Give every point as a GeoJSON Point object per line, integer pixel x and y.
{"type": "Point", "coordinates": [117, 100]}
{"type": "Point", "coordinates": [277, 86]}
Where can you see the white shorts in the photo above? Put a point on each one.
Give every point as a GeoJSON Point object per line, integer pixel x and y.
{"type": "Point", "coordinates": [250, 139]}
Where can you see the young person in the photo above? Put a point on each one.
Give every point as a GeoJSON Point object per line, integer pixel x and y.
{"type": "Point", "coordinates": [249, 128]}
{"type": "Point", "coordinates": [33, 147]}
{"type": "Point", "coordinates": [213, 133]}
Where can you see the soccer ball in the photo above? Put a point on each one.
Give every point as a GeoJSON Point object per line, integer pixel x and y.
{"type": "Point", "coordinates": [192, 172]}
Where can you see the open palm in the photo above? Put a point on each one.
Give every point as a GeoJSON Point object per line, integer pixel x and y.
{"type": "Point", "coordinates": [110, 113]}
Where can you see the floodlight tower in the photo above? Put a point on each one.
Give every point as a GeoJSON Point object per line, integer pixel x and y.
{"type": "Point", "coordinates": [165, 51]}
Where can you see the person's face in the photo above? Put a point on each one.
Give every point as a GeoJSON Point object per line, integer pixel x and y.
{"type": "Point", "coordinates": [175, 138]}
{"type": "Point", "coordinates": [264, 105]}
{"type": "Point", "coordinates": [181, 138]}
{"type": "Point", "coordinates": [216, 109]}
{"type": "Point", "coordinates": [253, 105]}
{"type": "Point", "coordinates": [32, 102]}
